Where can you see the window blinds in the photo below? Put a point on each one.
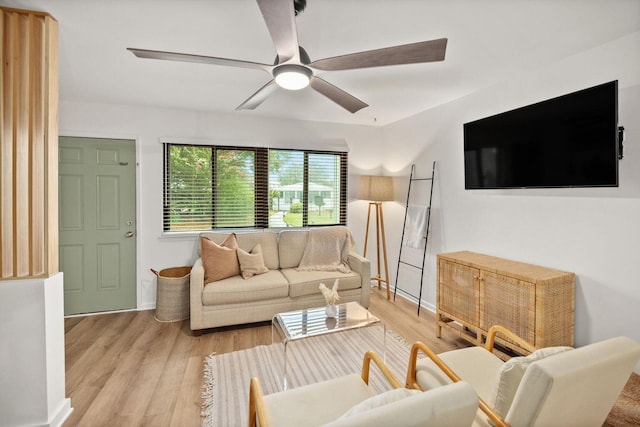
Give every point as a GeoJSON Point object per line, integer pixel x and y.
{"type": "Point", "coordinates": [211, 187]}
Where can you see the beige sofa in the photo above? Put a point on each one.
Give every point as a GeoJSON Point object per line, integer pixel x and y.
{"type": "Point", "coordinates": [235, 300]}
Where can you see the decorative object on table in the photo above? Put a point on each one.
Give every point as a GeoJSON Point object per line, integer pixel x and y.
{"type": "Point", "coordinates": [331, 310]}
{"type": "Point", "coordinates": [378, 189]}
{"type": "Point", "coordinates": [331, 297]}
{"type": "Point", "coordinates": [172, 294]}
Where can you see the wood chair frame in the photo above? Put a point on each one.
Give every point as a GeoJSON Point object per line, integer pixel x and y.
{"type": "Point", "coordinates": [257, 409]}
{"type": "Point", "coordinates": [489, 345]}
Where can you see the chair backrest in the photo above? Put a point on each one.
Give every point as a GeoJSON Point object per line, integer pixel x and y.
{"type": "Point", "coordinates": [574, 388]}
{"type": "Point", "coordinates": [453, 405]}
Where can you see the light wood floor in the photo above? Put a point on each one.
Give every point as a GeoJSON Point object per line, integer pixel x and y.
{"type": "Point", "coordinates": [126, 369]}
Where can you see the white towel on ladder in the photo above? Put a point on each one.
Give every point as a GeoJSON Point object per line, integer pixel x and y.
{"type": "Point", "coordinates": [416, 231]}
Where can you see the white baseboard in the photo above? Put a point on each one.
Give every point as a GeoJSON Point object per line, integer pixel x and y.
{"type": "Point", "coordinates": [61, 416]}
{"type": "Point", "coordinates": [408, 297]}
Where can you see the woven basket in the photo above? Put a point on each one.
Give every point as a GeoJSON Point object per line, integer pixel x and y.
{"type": "Point", "coordinates": [172, 296]}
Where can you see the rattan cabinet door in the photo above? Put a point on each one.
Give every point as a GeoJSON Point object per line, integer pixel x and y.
{"type": "Point", "coordinates": [508, 302]}
{"type": "Point", "coordinates": [458, 292]}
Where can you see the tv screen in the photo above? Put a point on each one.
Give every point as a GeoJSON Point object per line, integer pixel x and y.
{"type": "Point", "coordinates": [569, 141]}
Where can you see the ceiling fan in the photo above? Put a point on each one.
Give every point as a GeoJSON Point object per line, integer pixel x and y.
{"type": "Point", "coordinates": [294, 70]}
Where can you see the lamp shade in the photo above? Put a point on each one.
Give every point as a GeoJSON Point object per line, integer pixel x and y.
{"type": "Point", "coordinates": [377, 188]}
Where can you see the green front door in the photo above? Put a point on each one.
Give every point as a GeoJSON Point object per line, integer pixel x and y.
{"type": "Point", "coordinates": [97, 202]}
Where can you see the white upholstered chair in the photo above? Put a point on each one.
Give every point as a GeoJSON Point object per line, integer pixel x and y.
{"type": "Point", "coordinates": [555, 386]}
{"type": "Point", "coordinates": [348, 401]}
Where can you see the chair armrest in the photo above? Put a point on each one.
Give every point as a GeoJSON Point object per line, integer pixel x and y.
{"type": "Point", "coordinates": [256, 405]}
{"type": "Point", "coordinates": [413, 361]}
{"type": "Point", "coordinates": [497, 329]}
{"type": "Point", "coordinates": [196, 284]}
{"type": "Point", "coordinates": [412, 382]}
{"type": "Point", "coordinates": [366, 364]}
{"type": "Point", "coordinates": [362, 266]}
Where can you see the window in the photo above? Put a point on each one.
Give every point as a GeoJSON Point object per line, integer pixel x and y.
{"type": "Point", "coordinates": [211, 187]}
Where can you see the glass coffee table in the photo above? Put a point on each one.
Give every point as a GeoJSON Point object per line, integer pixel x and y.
{"type": "Point", "coordinates": [312, 322]}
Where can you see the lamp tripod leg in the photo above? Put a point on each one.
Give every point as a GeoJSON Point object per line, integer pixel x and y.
{"type": "Point", "coordinates": [384, 252]}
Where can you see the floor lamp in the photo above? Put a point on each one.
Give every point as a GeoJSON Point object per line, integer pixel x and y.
{"type": "Point", "coordinates": [378, 189]}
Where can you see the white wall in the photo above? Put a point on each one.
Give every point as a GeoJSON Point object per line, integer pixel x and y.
{"type": "Point", "coordinates": [148, 125]}
{"type": "Point", "coordinates": [32, 384]}
{"type": "Point", "coordinates": [592, 232]}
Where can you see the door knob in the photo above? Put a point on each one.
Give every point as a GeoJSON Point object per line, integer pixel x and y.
{"type": "Point", "coordinates": [129, 234]}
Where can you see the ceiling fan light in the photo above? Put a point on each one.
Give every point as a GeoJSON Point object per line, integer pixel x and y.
{"type": "Point", "coordinates": [292, 76]}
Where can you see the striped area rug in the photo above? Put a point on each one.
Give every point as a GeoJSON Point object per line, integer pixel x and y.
{"type": "Point", "coordinates": [227, 376]}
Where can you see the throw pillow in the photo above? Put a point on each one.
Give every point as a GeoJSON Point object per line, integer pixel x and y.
{"type": "Point", "coordinates": [511, 374]}
{"type": "Point", "coordinates": [381, 399]}
{"type": "Point", "coordinates": [251, 263]}
{"type": "Point", "coordinates": [219, 261]}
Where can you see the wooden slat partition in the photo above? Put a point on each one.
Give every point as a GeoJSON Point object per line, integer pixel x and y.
{"type": "Point", "coordinates": [28, 144]}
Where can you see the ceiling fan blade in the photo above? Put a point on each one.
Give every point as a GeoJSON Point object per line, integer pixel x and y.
{"type": "Point", "coordinates": [337, 95]}
{"type": "Point", "coordinates": [429, 51]}
{"type": "Point", "coordinates": [257, 98]}
{"type": "Point", "coordinates": [185, 57]}
{"type": "Point", "coordinates": [279, 15]}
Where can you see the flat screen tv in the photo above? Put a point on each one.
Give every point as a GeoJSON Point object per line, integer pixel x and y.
{"type": "Point", "coordinates": [568, 141]}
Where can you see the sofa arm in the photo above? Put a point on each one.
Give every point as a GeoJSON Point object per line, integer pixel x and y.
{"type": "Point", "coordinates": [196, 286]}
{"type": "Point", "coordinates": [362, 266]}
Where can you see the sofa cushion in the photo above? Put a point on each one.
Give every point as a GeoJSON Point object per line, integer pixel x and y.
{"type": "Point", "coordinates": [246, 241]}
{"type": "Point", "coordinates": [307, 282]}
{"type": "Point", "coordinates": [219, 261]}
{"type": "Point", "coordinates": [291, 247]}
{"type": "Point", "coordinates": [251, 263]}
{"type": "Point", "coordinates": [270, 285]}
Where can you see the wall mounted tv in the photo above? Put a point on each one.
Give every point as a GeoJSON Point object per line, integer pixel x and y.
{"type": "Point", "coordinates": [569, 141]}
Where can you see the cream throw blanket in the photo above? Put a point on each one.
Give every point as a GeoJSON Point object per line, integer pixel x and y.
{"type": "Point", "coordinates": [327, 250]}
{"type": "Point", "coordinates": [416, 232]}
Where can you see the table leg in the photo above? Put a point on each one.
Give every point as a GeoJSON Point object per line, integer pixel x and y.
{"type": "Point", "coordinates": [277, 335]}
{"type": "Point", "coordinates": [384, 342]}
{"type": "Point", "coordinates": [284, 367]}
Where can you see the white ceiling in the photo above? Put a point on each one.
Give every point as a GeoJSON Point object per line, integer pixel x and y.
{"type": "Point", "coordinates": [489, 40]}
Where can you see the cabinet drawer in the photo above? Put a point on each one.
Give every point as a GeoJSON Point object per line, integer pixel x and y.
{"type": "Point", "coordinates": [458, 291]}
{"type": "Point", "coordinates": [508, 302]}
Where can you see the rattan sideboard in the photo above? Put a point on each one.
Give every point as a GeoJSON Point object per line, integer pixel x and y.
{"type": "Point", "coordinates": [476, 291]}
